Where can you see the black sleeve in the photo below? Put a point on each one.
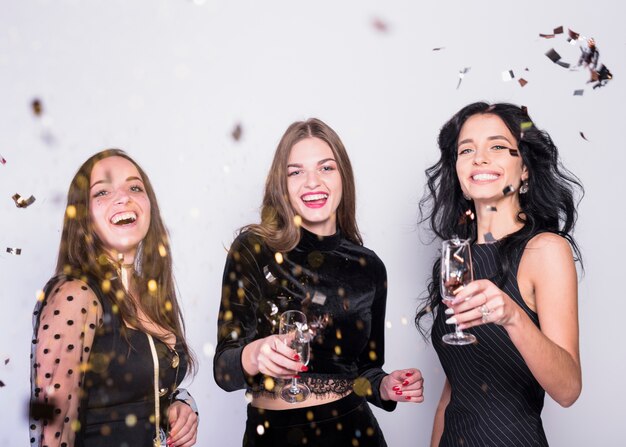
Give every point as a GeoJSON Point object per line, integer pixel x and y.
{"type": "Point", "coordinates": [242, 289]}
{"type": "Point", "coordinates": [372, 358]}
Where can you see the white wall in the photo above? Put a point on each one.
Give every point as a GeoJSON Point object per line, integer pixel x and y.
{"type": "Point", "coordinates": [167, 80]}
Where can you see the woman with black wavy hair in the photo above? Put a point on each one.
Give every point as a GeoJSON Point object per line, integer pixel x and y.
{"type": "Point", "coordinates": [500, 184]}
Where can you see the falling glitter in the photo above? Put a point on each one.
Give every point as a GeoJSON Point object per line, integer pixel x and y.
{"type": "Point", "coordinates": [237, 132]}
{"type": "Point", "coordinates": [489, 238]}
{"type": "Point", "coordinates": [507, 75]}
{"type": "Point", "coordinates": [2, 160]}
{"type": "Point", "coordinates": [492, 208]}
{"type": "Point", "coordinates": [508, 190]}
{"type": "Point", "coordinates": [558, 30]}
{"type": "Point", "coordinates": [462, 74]}
{"type": "Point", "coordinates": [583, 136]}
{"type": "Point", "coordinates": [439, 48]}
{"type": "Point", "coordinates": [522, 82]}
{"type": "Point", "coordinates": [37, 107]}
{"type": "Point", "coordinates": [579, 92]}
{"type": "Point", "coordinates": [556, 58]}
{"type": "Point", "coordinates": [14, 251]}
{"type": "Point", "coordinates": [260, 429]}
{"type": "Point", "coordinates": [21, 202]}
{"type": "Point", "coordinates": [380, 26]}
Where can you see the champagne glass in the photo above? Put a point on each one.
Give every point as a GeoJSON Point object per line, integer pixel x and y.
{"type": "Point", "coordinates": [294, 326]}
{"type": "Point", "coordinates": [456, 273]}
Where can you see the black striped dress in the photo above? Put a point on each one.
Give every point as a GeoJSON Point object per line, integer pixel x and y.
{"type": "Point", "coordinates": [495, 399]}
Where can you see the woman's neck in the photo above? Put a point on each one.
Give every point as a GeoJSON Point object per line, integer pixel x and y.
{"type": "Point", "coordinates": [497, 219]}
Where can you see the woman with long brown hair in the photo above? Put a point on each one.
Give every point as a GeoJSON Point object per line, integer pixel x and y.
{"type": "Point", "coordinates": [307, 255]}
{"type": "Point", "coordinates": [109, 348]}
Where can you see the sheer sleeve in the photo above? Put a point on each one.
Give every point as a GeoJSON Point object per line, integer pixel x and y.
{"type": "Point", "coordinates": [64, 327]}
{"type": "Point", "coordinates": [237, 321]}
{"type": "Point", "coordinates": [371, 360]}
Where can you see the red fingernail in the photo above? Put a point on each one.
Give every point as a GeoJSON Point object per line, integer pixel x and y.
{"type": "Point", "coordinates": [399, 393]}
{"type": "Point", "coordinates": [396, 388]}
{"type": "Point", "coordinates": [296, 376]}
{"type": "Point", "coordinates": [304, 368]}
{"type": "Point", "coordinates": [409, 374]}
{"type": "Point", "coordinates": [407, 397]}
{"type": "Point", "coordinates": [405, 383]}
{"type": "Point", "coordinates": [296, 357]}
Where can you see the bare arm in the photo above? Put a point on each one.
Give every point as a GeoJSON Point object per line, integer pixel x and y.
{"type": "Point", "coordinates": [551, 353]}
{"type": "Point", "coordinates": [439, 415]}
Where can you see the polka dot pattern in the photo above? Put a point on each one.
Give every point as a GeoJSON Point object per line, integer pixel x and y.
{"type": "Point", "coordinates": [65, 326]}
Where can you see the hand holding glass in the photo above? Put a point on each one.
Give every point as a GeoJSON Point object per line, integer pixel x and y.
{"type": "Point", "coordinates": [294, 326]}
{"type": "Point", "coordinates": [456, 273]}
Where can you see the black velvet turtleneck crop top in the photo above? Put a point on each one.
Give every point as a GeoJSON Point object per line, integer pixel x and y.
{"type": "Point", "coordinates": [339, 285]}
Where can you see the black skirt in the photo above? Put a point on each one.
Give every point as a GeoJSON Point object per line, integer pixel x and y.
{"type": "Point", "coordinates": [348, 422]}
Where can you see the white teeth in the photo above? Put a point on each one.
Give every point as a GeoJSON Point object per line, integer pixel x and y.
{"type": "Point", "coordinates": [312, 197]}
{"type": "Point", "coordinates": [484, 177]}
{"type": "Point", "coordinates": [128, 217]}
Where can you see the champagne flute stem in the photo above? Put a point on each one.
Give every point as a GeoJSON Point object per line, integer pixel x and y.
{"type": "Point", "coordinates": [294, 386]}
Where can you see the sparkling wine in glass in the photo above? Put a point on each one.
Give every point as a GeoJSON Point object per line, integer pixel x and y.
{"type": "Point", "coordinates": [293, 326]}
{"type": "Point", "coordinates": [456, 273]}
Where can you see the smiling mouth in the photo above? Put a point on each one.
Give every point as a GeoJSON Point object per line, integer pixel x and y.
{"type": "Point", "coordinates": [314, 197]}
{"type": "Point", "coordinates": [484, 177]}
{"type": "Point", "coordinates": [124, 218]}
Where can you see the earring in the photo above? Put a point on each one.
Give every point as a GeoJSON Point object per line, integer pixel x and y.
{"type": "Point", "coordinates": [466, 197]}
{"type": "Point", "coordinates": [524, 188]}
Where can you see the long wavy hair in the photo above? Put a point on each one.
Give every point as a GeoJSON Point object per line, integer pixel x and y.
{"type": "Point", "coordinates": [278, 228]}
{"type": "Point", "coordinates": [83, 255]}
{"type": "Point", "coordinates": [549, 205]}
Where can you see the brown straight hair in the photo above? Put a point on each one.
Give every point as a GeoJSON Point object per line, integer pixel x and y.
{"type": "Point", "coordinates": [277, 226]}
{"type": "Point", "coordinates": [82, 255]}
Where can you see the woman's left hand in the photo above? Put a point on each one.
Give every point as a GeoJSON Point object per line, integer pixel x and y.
{"type": "Point", "coordinates": [481, 302]}
{"type": "Point", "coordinates": [403, 385]}
{"type": "Point", "coordinates": [183, 425]}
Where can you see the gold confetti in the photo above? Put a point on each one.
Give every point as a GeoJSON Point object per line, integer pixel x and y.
{"type": "Point", "coordinates": [338, 334]}
{"type": "Point", "coordinates": [309, 415]}
{"type": "Point", "coordinates": [75, 425]}
{"type": "Point", "coordinates": [362, 387]}
{"type": "Point", "coordinates": [131, 420]}
{"type": "Point", "coordinates": [369, 431]}
{"type": "Point", "coordinates": [106, 286]}
{"type": "Point", "coordinates": [168, 306]}
{"type": "Point", "coordinates": [152, 286]}
{"type": "Point", "coordinates": [279, 257]}
{"type": "Point", "coordinates": [40, 295]}
{"type": "Point", "coordinates": [269, 383]}
{"type": "Point", "coordinates": [297, 220]}
{"type": "Point", "coordinates": [70, 211]}
{"type": "Point", "coordinates": [338, 350]}
{"type": "Point", "coordinates": [260, 430]}
{"type": "Point", "coordinates": [373, 356]}
{"type": "Point", "coordinates": [162, 250]}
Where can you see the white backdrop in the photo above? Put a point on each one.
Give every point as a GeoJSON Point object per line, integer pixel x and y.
{"type": "Point", "coordinates": [168, 80]}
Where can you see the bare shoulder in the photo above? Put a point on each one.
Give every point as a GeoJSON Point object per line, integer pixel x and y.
{"type": "Point", "coordinates": [548, 248]}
